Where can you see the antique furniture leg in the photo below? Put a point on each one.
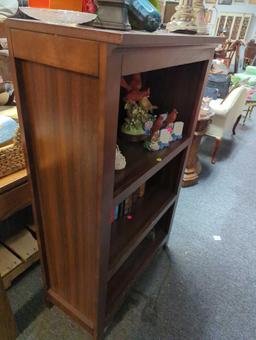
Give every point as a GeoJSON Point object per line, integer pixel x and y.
{"type": "Point", "coordinates": [246, 115]}
{"type": "Point", "coordinates": [193, 166]}
{"type": "Point", "coordinates": [236, 123]}
{"type": "Point", "coordinates": [7, 323]}
{"type": "Point", "coordinates": [215, 150]}
{"type": "Point", "coordinates": [252, 107]}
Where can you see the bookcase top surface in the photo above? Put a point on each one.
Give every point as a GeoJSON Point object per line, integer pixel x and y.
{"type": "Point", "coordinates": [131, 38]}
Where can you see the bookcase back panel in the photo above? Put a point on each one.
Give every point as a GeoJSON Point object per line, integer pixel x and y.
{"type": "Point", "coordinates": [174, 87]}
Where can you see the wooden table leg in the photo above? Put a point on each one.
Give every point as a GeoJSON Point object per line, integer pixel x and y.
{"type": "Point", "coordinates": [193, 167]}
{"type": "Point", "coordinates": [7, 323]}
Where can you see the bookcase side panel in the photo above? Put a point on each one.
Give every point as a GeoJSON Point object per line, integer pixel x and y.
{"type": "Point", "coordinates": [60, 115]}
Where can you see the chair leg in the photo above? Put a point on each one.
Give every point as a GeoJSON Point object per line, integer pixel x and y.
{"type": "Point", "coordinates": [246, 115]}
{"type": "Point", "coordinates": [236, 123]}
{"type": "Point", "coordinates": [215, 150]}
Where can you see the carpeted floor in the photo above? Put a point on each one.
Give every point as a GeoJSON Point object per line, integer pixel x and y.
{"type": "Point", "coordinates": [198, 289]}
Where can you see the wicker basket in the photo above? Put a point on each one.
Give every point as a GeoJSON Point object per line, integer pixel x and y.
{"type": "Point", "coordinates": [12, 157]}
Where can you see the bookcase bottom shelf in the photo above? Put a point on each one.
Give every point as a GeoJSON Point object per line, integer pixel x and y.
{"type": "Point", "coordinates": [134, 265]}
{"type": "Point", "coordinates": [126, 234]}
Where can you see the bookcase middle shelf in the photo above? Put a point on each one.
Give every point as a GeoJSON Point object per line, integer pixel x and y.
{"type": "Point", "coordinates": [141, 165]}
{"type": "Point", "coordinates": [127, 234]}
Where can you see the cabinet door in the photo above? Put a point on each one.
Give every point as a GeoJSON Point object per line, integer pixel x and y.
{"type": "Point", "coordinates": [244, 27]}
{"type": "Point", "coordinates": [228, 25]}
{"type": "Point", "coordinates": [236, 27]}
{"type": "Point", "coordinates": [221, 24]}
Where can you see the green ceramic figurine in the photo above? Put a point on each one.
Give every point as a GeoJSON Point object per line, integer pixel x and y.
{"type": "Point", "coordinates": [139, 119]}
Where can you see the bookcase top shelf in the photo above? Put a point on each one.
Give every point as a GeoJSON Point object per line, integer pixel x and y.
{"type": "Point", "coordinates": [141, 165]}
{"type": "Point", "coordinates": [123, 38]}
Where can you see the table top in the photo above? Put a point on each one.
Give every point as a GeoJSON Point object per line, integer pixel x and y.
{"type": "Point", "coordinates": [123, 38]}
{"type": "Point", "coordinates": [11, 181]}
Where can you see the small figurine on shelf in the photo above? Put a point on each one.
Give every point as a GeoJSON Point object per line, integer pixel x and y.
{"type": "Point", "coordinates": [120, 161]}
{"type": "Point", "coordinates": [164, 131]}
{"type": "Point", "coordinates": [139, 119]}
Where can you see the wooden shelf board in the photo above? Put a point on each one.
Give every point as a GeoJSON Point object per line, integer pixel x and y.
{"type": "Point", "coordinates": [17, 254]}
{"type": "Point", "coordinates": [126, 234]}
{"type": "Point", "coordinates": [11, 181]}
{"type": "Point", "coordinates": [3, 33]}
{"type": "Point", "coordinates": [7, 279]}
{"type": "Point", "coordinates": [23, 244]}
{"type": "Point", "coordinates": [141, 165]}
{"type": "Point", "coordinates": [8, 261]}
{"type": "Point", "coordinates": [127, 274]}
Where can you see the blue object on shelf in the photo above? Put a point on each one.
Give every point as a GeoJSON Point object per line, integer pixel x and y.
{"type": "Point", "coordinates": [8, 127]}
{"type": "Point", "coordinates": [146, 14]}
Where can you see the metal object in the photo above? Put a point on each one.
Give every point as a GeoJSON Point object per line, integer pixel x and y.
{"type": "Point", "coordinates": [113, 14]}
{"type": "Point", "coordinates": [183, 20]}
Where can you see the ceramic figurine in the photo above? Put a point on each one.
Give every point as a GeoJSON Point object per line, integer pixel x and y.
{"type": "Point", "coordinates": [183, 19]}
{"type": "Point", "coordinates": [139, 119]}
{"type": "Point", "coordinates": [164, 131]}
{"type": "Point", "coordinates": [177, 131]}
{"type": "Point", "coordinates": [120, 161]}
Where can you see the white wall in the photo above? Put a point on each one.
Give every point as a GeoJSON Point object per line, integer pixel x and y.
{"type": "Point", "coordinates": [234, 8]}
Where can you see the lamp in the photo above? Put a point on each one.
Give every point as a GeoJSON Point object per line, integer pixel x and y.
{"type": "Point", "coordinates": [183, 20]}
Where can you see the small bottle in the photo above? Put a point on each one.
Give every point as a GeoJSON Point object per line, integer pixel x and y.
{"type": "Point", "coordinates": [146, 14]}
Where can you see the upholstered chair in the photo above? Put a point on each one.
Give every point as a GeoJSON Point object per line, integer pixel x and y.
{"type": "Point", "coordinates": [226, 114]}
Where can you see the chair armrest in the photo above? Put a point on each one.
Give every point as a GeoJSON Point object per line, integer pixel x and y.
{"type": "Point", "coordinates": [218, 108]}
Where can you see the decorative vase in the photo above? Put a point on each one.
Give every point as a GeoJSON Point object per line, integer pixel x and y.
{"type": "Point", "coordinates": [183, 19]}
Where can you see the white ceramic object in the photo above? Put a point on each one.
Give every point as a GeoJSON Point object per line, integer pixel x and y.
{"type": "Point", "coordinates": [120, 162]}
{"type": "Point", "coordinates": [178, 129]}
{"type": "Point", "coordinates": [58, 16]}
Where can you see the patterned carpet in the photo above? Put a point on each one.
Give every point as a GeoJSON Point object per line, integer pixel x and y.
{"type": "Point", "coordinates": [203, 287]}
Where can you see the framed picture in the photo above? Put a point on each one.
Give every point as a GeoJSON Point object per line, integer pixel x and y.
{"type": "Point", "coordinates": [210, 2]}
{"type": "Point", "coordinates": [224, 2]}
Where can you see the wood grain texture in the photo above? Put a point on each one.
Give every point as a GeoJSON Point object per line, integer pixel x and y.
{"type": "Point", "coordinates": [119, 38]}
{"type": "Point", "coordinates": [13, 180]}
{"type": "Point", "coordinates": [3, 33]}
{"type": "Point", "coordinates": [21, 268]}
{"type": "Point", "coordinates": [7, 323]}
{"type": "Point", "coordinates": [136, 59]}
{"type": "Point", "coordinates": [8, 261]}
{"type": "Point", "coordinates": [14, 200]}
{"type": "Point", "coordinates": [65, 174]}
{"type": "Point", "coordinates": [58, 51]}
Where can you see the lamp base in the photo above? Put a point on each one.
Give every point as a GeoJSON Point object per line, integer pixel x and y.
{"type": "Point", "coordinates": [181, 27]}
{"type": "Point", "coordinates": [113, 15]}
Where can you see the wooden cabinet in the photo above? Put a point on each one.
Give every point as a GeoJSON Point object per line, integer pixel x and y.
{"type": "Point", "coordinates": [68, 94]}
{"type": "Point", "coordinates": [14, 193]}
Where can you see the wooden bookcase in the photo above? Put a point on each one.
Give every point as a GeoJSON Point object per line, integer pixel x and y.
{"type": "Point", "coordinates": [68, 94]}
